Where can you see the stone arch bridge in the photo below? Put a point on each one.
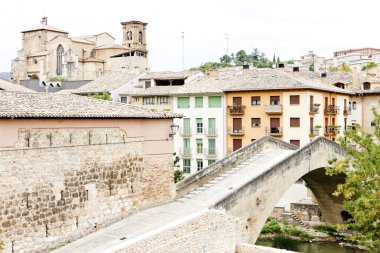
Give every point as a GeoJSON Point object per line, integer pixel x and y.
{"type": "Point", "coordinates": [227, 203]}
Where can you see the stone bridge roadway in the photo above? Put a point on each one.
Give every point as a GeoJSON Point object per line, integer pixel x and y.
{"type": "Point", "coordinates": [247, 184]}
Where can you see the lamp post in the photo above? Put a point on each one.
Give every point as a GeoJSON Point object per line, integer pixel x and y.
{"type": "Point", "coordinates": [174, 128]}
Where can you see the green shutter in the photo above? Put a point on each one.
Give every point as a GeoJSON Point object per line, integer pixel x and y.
{"type": "Point", "coordinates": [186, 126]}
{"type": "Point", "coordinates": [211, 147]}
{"type": "Point", "coordinates": [183, 102]}
{"type": "Point", "coordinates": [211, 126]}
{"type": "Point", "coordinates": [199, 102]}
{"type": "Point", "coordinates": [186, 143]}
{"type": "Point", "coordinates": [214, 101]}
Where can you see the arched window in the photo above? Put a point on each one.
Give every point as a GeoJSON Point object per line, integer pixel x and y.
{"type": "Point", "coordinates": [366, 86]}
{"type": "Point", "coordinates": [60, 52]}
{"type": "Point", "coordinates": [140, 38]}
{"type": "Point", "coordinates": [354, 106]}
{"type": "Point", "coordinates": [129, 35]}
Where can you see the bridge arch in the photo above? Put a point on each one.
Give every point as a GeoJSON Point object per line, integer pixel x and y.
{"type": "Point", "coordinates": [255, 200]}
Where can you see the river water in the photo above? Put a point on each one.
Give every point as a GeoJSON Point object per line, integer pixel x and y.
{"type": "Point", "coordinates": [316, 247]}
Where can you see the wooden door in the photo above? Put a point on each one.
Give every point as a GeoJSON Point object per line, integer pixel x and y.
{"type": "Point", "coordinates": [237, 143]}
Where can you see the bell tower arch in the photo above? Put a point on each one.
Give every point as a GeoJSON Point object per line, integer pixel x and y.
{"type": "Point", "coordinates": [134, 35]}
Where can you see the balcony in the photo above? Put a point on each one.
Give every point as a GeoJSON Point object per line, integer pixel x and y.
{"type": "Point", "coordinates": [274, 131]}
{"type": "Point", "coordinates": [314, 132]}
{"type": "Point", "coordinates": [185, 132]}
{"type": "Point", "coordinates": [185, 152]}
{"type": "Point", "coordinates": [236, 131]}
{"type": "Point", "coordinates": [332, 130]}
{"type": "Point", "coordinates": [314, 108]}
{"type": "Point", "coordinates": [210, 132]}
{"type": "Point", "coordinates": [210, 152]}
{"type": "Point", "coordinates": [273, 109]}
{"type": "Point", "coordinates": [236, 109]}
{"type": "Point", "coordinates": [332, 109]}
{"type": "Point", "coordinates": [347, 111]}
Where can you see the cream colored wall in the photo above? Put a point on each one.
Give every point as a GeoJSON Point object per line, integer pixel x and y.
{"type": "Point", "coordinates": [104, 39]}
{"type": "Point", "coordinates": [164, 107]}
{"type": "Point", "coordinates": [341, 116]}
{"type": "Point", "coordinates": [154, 131]}
{"type": "Point", "coordinates": [369, 102]}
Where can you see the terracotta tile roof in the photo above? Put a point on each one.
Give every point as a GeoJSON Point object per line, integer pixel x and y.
{"type": "Point", "coordinates": [167, 75]}
{"type": "Point", "coordinates": [51, 105]}
{"type": "Point", "coordinates": [235, 80]}
{"type": "Point", "coordinates": [7, 86]}
{"type": "Point", "coordinates": [108, 82]}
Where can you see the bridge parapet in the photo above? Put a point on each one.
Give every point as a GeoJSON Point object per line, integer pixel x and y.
{"type": "Point", "coordinates": [219, 167]}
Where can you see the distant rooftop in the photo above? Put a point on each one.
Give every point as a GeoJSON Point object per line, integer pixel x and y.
{"type": "Point", "coordinates": [44, 26]}
{"type": "Point", "coordinates": [53, 105]}
{"type": "Point", "coordinates": [169, 75]}
{"type": "Point", "coordinates": [7, 86]}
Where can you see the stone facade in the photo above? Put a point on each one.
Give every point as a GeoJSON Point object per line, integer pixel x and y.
{"type": "Point", "coordinates": [49, 54]}
{"type": "Point", "coordinates": [307, 213]}
{"type": "Point", "coordinates": [210, 231]}
{"type": "Point", "coordinates": [74, 181]}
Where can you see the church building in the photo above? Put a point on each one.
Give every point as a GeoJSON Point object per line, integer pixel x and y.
{"type": "Point", "coordinates": [49, 54]}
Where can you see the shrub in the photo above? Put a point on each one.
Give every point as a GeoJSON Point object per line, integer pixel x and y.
{"type": "Point", "coordinates": [271, 227]}
{"type": "Point", "coordinates": [178, 175]}
{"type": "Point", "coordinates": [325, 229]}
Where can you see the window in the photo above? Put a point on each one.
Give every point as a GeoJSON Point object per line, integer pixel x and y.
{"type": "Point", "coordinates": [199, 165]}
{"type": "Point", "coordinates": [237, 125]}
{"type": "Point", "coordinates": [186, 126]}
{"type": "Point", "coordinates": [124, 100]}
{"type": "Point", "coordinates": [140, 38]}
{"type": "Point", "coordinates": [60, 52]}
{"type": "Point", "coordinates": [366, 86]}
{"type": "Point", "coordinates": [129, 35]}
{"type": "Point", "coordinates": [255, 100]}
{"type": "Point", "coordinates": [294, 99]}
{"type": "Point", "coordinates": [198, 102]}
{"type": "Point", "coordinates": [211, 147]}
{"type": "Point", "coordinates": [211, 162]}
{"type": "Point", "coordinates": [186, 146]}
{"type": "Point", "coordinates": [354, 106]}
{"type": "Point", "coordinates": [199, 146]}
{"type": "Point", "coordinates": [214, 101]}
{"type": "Point", "coordinates": [294, 122]}
{"type": "Point", "coordinates": [253, 140]}
{"type": "Point", "coordinates": [183, 102]}
{"type": "Point", "coordinates": [295, 142]}
{"type": "Point", "coordinates": [372, 123]}
{"type": "Point", "coordinates": [255, 122]}
{"type": "Point", "coordinates": [163, 100]}
{"type": "Point", "coordinates": [199, 123]}
{"type": "Point", "coordinates": [148, 84]}
{"type": "Point", "coordinates": [148, 101]}
{"type": "Point", "coordinates": [186, 165]}
{"type": "Point", "coordinates": [211, 126]}
{"type": "Point", "coordinates": [274, 100]}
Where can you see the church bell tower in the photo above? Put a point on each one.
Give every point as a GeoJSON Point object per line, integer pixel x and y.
{"type": "Point", "coordinates": [134, 35]}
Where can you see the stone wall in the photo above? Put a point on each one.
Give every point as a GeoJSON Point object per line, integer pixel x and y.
{"type": "Point", "coordinates": [209, 231]}
{"type": "Point", "coordinates": [52, 194]}
{"type": "Point", "coordinates": [307, 213]}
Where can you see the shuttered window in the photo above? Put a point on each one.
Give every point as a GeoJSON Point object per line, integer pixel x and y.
{"type": "Point", "coordinates": [294, 122]}
{"type": "Point", "coordinates": [199, 125]}
{"type": "Point", "coordinates": [199, 102]}
{"type": "Point", "coordinates": [256, 100]}
{"type": "Point", "coordinates": [199, 146]}
{"type": "Point", "coordinates": [214, 101]}
{"type": "Point", "coordinates": [183, 102]}
{"type": "Point", "coordinates": [186, 165]}
{"type": "Point", "coordinates": [294, 99]}
{"type": "Point", "coordinates": [255, 122]}
{"type": "Point", "coordinates": [295, 142]}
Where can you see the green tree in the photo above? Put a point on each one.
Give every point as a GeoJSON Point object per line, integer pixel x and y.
{"type": "Point", "coordinates": [361, 190]}
{"type": "Point", "coordinates": [290, 62]}
{"type": "Point", "coordinates": [241, 57]}
{"type": "Point", "coordinates": [274, 58]}
{"type": "Point", "coordinates": [311, 67]}
{"type": "Point", "coordinates": [278, 60]}
{"type": "Point", "coordinates": [345, 68]}
{"type": "Point", "coordinates": [226, 59]}
{"type": "Point", "coordinates": [103, 96]}
{"type": "Point", "coordinates": [369, 65]}
{"type": "Point", "coordinates": [178, 176]}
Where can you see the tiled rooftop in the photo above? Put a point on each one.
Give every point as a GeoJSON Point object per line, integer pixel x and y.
{"type": "Point", "coordinates": [52, 105]}
{"type": "Point", "coordinates": [166, 75]}
{"type": "Point", "coordinates": [7, 86]}
{"type": "Point", "coordinates": [108, 82]}
{"type": "Point", "coordinates": [235, 80]}
{"type": "Point", "coordinates": [44, 27]}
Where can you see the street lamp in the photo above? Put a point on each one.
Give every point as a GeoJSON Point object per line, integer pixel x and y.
{"type": "Point", "coordinates": [174, 128]}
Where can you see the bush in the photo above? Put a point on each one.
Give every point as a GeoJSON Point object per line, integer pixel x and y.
{"type": "Point", "coordinates": [178, 176]}
{"type": "Point", "coordinates": [271, 227]}
{"type": "Point", "coordinates": [298, 232]}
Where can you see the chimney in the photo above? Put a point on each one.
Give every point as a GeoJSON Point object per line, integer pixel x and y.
{"type": "Point", "coordinates": [44, 21]}
{"type": "Point", "coordinates": [245, 69]}
{"type": "Point", "coordinates": [296, 71]}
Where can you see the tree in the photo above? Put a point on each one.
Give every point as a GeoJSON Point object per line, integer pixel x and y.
{"type": "Point", "coordinates": [241, 57]}
{"type": "Point", "coordinates": [311, 67]}
{"type": "Point", "coordinates": [278, 60]}
{"type": "Point", "coordinates": [345, 68]}
{"type": "Point", "coordinates": [361, 190]}
{"type": "Point", "coordinates": [274, 58]}
{"type": "Point", "coordinates": [226, 59]}
{"type": "Point", "coordinates": [369, 65]}
{"type": "Point", "coordinates": [290, 62]}
{"type": "Point", "coordinates": [103, 96]}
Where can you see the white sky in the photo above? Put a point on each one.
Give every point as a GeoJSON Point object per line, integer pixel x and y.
{"type": "Point", "coordinates": [289, 28]}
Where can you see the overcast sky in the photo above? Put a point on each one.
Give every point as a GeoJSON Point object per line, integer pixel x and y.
{"type": "Point", "coordinates": [289, 28]}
